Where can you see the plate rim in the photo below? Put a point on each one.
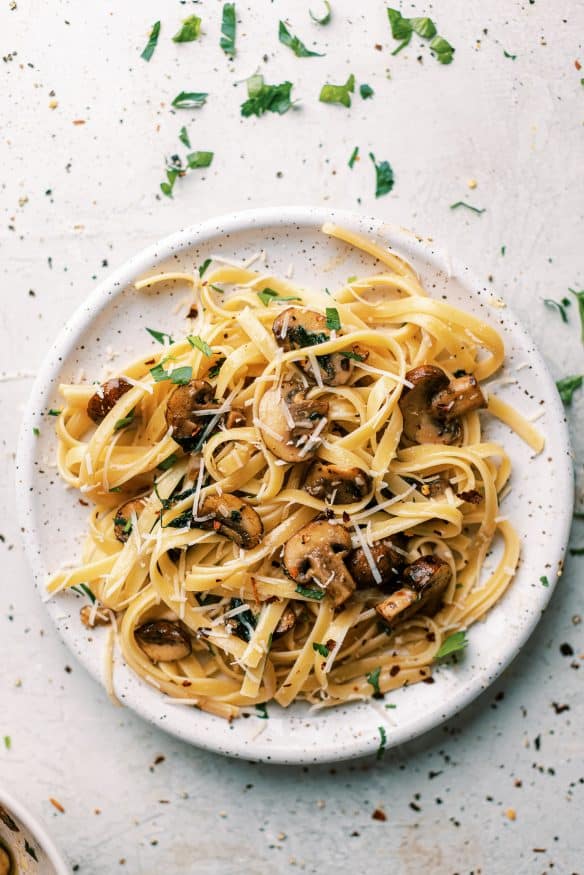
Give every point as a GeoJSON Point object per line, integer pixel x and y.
{"type": "Point", "coordinates": [198, 234]}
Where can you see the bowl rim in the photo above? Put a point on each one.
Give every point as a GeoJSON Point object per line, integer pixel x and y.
{"type": "Point", "coordinates": [309, 216]}
{"type": "Point", "coordinates": [37, 829]}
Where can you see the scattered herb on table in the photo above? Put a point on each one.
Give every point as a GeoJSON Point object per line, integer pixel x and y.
{"type": "Point", "coordinates": [320, 648]}
{"type": "Point", "coordinates": [266, 98]}
{"type": "Point", "coordinates": [228, 25]}
{"type": "Point", "coordinates": [580, 298]}
{"type": "Point", "coordinates": [383, 176]}
{"type": "Point", "coordinates": [309, 593]}
{"type": "Point", "coordinates": [453, 644]}
{"type": "Point", "coordinates": [366, 91]}
{"type": "Point", "coordinates": [567, 386]}
{"type": "Point", "coordinates": [382, 742]}
{"type": "Point", "coordinates": [560, 306]}
{"type": "Point", "coordinates": [200, 344]}
{"type": "Point", "coordinates": [294, 43]}
{"type": "Point", "coordinates": [184, 137]}
{"type": "Point", "coordinates": [544, 581]}
{"type": "Point", "coordinates": [190, 99]}
{"type": "Point", "coordinates": [7, 742]}
{"type": "Point", "coordinates": [324, 19]}
{"type": "Point", "coordinates": [373, 679]}
{"type": "Point", "coordinates": [152, 42]}
{"type": "Point", "coordinates": [54, 412]}
{"type": "Point", "coordinates": [468, 207]}
{"type": "Point", "coordinates": [161, 336]}
{"type": "Point", "coordinates": [338, 93]}
{"type": "Point", "coordinates": [503, 249]}
{"type": "Point", "coordinates": [354, 156]}
{"type": "Point", "coordinates": [509, 55]}
{"type": "Point", "coordinates": [442, 50]}
{"type": "Point", "coordinates": [36, 431]}
{"type": "Point", "coordinates": [267, 295]}
{"type": "Point", "coordinates": [199, 159]}
{"type": "Point", "coordinates": [190, 30]}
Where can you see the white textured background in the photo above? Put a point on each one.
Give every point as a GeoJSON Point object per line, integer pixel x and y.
{"type": "Point", "coordinates": [76, 199]}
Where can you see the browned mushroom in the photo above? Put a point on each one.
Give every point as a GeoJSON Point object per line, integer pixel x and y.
{"type": "Point", "coordinates": [335, 484]}
{"type": "Point", "coordinates": [5, 863]}
{"type": "Point", "coordinates": [235, 419]}
{"type": "Point", "coordinates": [287, 622]}
{"type": "Point", "coordinates": [289, 421]}
{"type": "Point", "coordinates": [163, 641]}
{"type": "Point", "coordinates": [123, 518]}
{"type": "Point", "coordinates": [295, 328]}
{"type": "Point", "coordinates": [432, 406]}
{"type": "Point", "coordinates": [388, 556]}
{"type": "Point", "coordinates": [106, 398]}
{"type": "Point", "coordinates": [315, 555]}
{"type": "Point", "coordinates": [424, 583]}
{"type": "Point", "coordinates": [232, 517]}
{"type": "Point", "coordinates": [188, 410]}
{"type": "Point", "coordinates": [92, 616]}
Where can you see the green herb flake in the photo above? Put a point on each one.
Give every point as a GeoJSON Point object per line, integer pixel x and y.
{"type": "Point", "coordinates": [262, 711]}
{"type": "Point", "coordinates": [373, 679]}
{"type": "Point", "coordinates": [152, 42]}
{"type": "Point", "coordinates": [228, 25]}
{"type": "Point", "coordinates": [366, 91]}
{"type": "Point", "coordinates": [354, 356]}
{"type": "Point", "coordinates": [382, 743]}
{"type": "Point", "coordinates": [338, 93]}
{"type": "Point", "coordinates": [576, 551]}
{"type": "Point", "coordinates": [544, 581]}
{"type": "Point", "coordinates": [567, 386]}
{"type": "Point", "coordinates": [264, 98]}
{"type": "Point", "coordinates": [214, 369]}
{"type": "Point", "coordinates": [468, 207]}
{"type": "Point", "coordinates": [309, 593]}
{"type": "Point", "coordinates": [453, 644]}
{"type": "Point", "coordinates": [30, 850]}
{"type": "Point", "coordinates": [354, 157]}
{"type": "Point", "coordinates": [7, 742]}
{"type": "Point", "coordinates": [442, 50]}
{"type": "Point", "coordinates": [200, 344]}
{"type": "Point", "coordinates": [333, 320]}
{"type": "Point", "coordinates": [199, 159]}
{"type": "Point", "coordinates": [116, 489]}
{"type": "Point", "coordinates": [391, 705]}
{"type": "Point", "coordinates": [54, 412]}
{"type": "Point", "coordinates": [424, 27]}
{"type": "Point", "coordinates": [184, 137]}
{"type": "Point", "coordinates": [580, 298]}
{"type": "Point", "coordinates": [125, 421]}
{"type": "Point", "coordinates": [324, 19]}
{"type": "Point", "coordinates": [509, 55]}
{"type": "Point", "coordinates": [556, 305]}
{"type": "Point", "coordinates": [503, 250]}
{"type": "Point", "coordinates": [203, 267]}
{"type": "Point", "coordinates": [267, 295]}
{"type": "Point", "coordinates": [294, 43]}
{"type": "Point", "coordinates": [190, 30]}
{"type": "Point", "coordinates": [168, 462]}
{"type": "Point", "coordinates": [320, 648]}
{"type": "Point", "coordinates": [180, 376]}
{"type": "Point", "coordinates": [401, 29]}
{"type": "Point", "coordinates": [190, 99]}
{"type": "Point", "coordinates": [36, 431]}
{"type": "Point", "coordinates": [383, 176]}
{"type": "Point", "coordinates": [83, 589]}
{"type": "Point", "coordinates": [161, 336]}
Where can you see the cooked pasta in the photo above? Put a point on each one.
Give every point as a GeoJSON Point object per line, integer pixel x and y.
{"type": "Point", "coordinates": [294, 501]}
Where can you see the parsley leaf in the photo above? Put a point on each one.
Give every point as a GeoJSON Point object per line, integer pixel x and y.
{"type": "Point", "coordinates": [366, 91]}
{"type": "Point", "coordinates": [203, 267]}
{"type": "Point", "coordinates": [382, 742]}
{"type": "Point", "coordinates": [333, 320]}
{"type": "Point", "coordinates": [508, 55]}
{"type": "Point", "coordinates": [442, 49]}
{"type": "Point", "coordinates": [401, 29]}
{"type": "Point", "coordinates": [424, 27]}
{"type": "Point", "coordinates": [266, 98]}
{"type": "Point", "coordinates": [152, 42]}
{"type": "Point", "coordinates": [310, 593]}
{"type": "Point", "coordinates": [383, 176]}
{"type": "Point", "coordinates": [338, 93]}
{"type": "Point", "coordinates": [353, 355]}
{"type": "Point", "coordinates": [36, 432]}
{"type": "Point", "coordinates": [227, 41]}
{"type": "Point", "coordinates": [123, 423]}
{"type": "Point", "coordinates": [199, 159]}
{"type": "Point", "coordinates": [180, 376]}
{"type": "Point", "coordinates": [556, 305]}
{"type": "Point", "coordinates": [190, 99]}
{"type": "Point", "coordinates": [294, 43]}
{"type": "Point", "coordinates": [196, 342]}
{"type": "Point", "coordinates": [267, 295]}
{"type": "Point", "coordinates": [83, 589]}
{"type": "Point", "coordinates": [168, 462]}
{"type": "Point", "coordinates": [373, 679]}
{"type": "Point", "coordinates": [544, 581]}
{"type": "Point", "coordinates": [190, 30]}
{"type": "Point", "coordinates": [567, 386]}
{"type": "Point", "coordinates": [161, 336]}
{"type": "Point", "coordinates": [354, 156]}
{"type": "Point", "coordinates": [214, 369]}
{"type": "Point", "coordinates": [468, 207]}
{"type": "Point", "coordinates": [455, 642]}
{"type": "Point", "coordinates": [320, 648]}
{"type": "Point", "coordinates": [580, 298]}
{"type": "Point", "coordinates": [7, 742]}
{"type": "Point", "coordinates": [325, 18]}
{"type": "Point", "coordinates": [54, 412]}
{"type": "Point", "coordinates": [184, 137]}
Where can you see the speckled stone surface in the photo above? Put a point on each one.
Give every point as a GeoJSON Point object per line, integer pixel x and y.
{"type": "Point", "coordinates": [498, 789]}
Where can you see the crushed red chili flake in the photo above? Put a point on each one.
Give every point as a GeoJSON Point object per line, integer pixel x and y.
{"type": "Point", "coordinates": [379, 814]}
{"type": "Point", "coordinates": [577, 64]}
{"type": "Point", "coordinates": [56, 804]}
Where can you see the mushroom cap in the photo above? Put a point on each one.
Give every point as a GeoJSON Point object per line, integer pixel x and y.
{"type": "Point", "coordinates": [425, 582]}
{"type": "Point", "coordinates": [106, 398]}
{"type": "Point", "coordinates": [232, 517]}
{"type": "Point", "coordinates": [182, 404]}
{"type": "Point", "coordinates": [286, 623]}
{"type": "Point", "coordinates": [388, 560]}
{"type": "Point", "coordinates": [462, 395]}
{"type": "Point", "coordinates": [420, 422]}
{"type": "Point", "coordinates": [123, 518]}
{"type": "Point", "coordinates": [5, 863]}
{"type": "Point", "coordinates": [163, 640]}
{"type": "Point", "coordinates": [335, 484]}
{"type": "Point", "coordinates": [315, 555]}
{"type": "Point", "coordinates": [295, 328]}
{"type": "Point", "coordinates": [288, 419]}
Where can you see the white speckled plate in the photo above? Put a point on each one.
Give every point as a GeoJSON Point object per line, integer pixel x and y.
{"type": "Point", "coordinates": [30, 846]}
{"type": "Point", "coordinates": [115, 315]}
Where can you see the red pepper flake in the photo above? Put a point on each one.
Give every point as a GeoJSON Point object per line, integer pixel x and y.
{"type": "Point", "coordinates": [378, 47]}
{"type": "Point", "coordinates": [79, 121]}
{"type": "Point", "coordinates": [379, 814]}
{"type": "Point", "coordinates": [216, 525]}
{"type": "Point", "coordinates": [577, 64]}
{"type": "Point", "coordinates": [56, 804]}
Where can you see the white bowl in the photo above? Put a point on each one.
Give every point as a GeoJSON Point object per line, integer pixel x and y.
{"type": "Point", "coordinates": [33, 851]}
{"type": "Point", "coordinates": [540, 503]}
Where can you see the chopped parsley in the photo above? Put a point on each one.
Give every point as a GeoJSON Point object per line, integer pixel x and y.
{"type": "Point", "coordinates": [184, 137]}
{"type": "Point", "coordinates": [454, 643]}
{"type": "Point", "coordinates": [266, 98]}
{"type": "Point", "coordinates": [442, 50]}
{"type": "Point", "coordinates": [580, 298]}
{"type": "Point", "coordinates": [199, 159]}
{"type": "Point", "coordinates": [126, 525]}
{"type": "Point", "coordinates": [338, 93]}
{"type": "Point", "coordinates": [509, 55]}
{"type": "Point", "coordinates": [190, 30]}
{"type": "Point", "coordinates": [200, 344]}
{"type": "Point", "coordinates": [180, 376]}
{"type": "Point", "coordinates": [402, 29]}
{"type": "Point", "coordinates": [214, 369]}
{"type": "Point", "coordinates": [168, 462]}
{"type": "Point", "coordinates": [366, 91]}
{"type": "Point", "coordinates": [267, 295]}
{"type": "Point", "coordinates": [577, 551]}
{"type": "Point", "coordinates": [333, 320]}
{"type": "Point", "coordinates": [310, 593]}
{"type": "Point", "coordinates": [294, 43]}
{"type": "Point", "coordinates": [354, 156]}
{"type": "Point", "coordinates": [324, 19]}
{"type": "Point", "coordinates": [560, 306]}
{"type": "Point", "coordinates": [30, 850]}
{"type": "Point", "coordinates": [567, 386]}
{"type": "Point", "coordinates": [7, 742]}
{"type": "Point", "coordinates": [262, 711]}
{"type": "Point", "coordinates": [203, 267]}
{"type": "Point", "coordinates": [152, 42]}
{"type": "Point", "coordinates": [227, 41]}
{"type": "Point", "coordinates": [125, 421]}
{"type": "Point", "coordinates": [383, 176]}
{"type": "Point", "coordinates": [544, 581]}
{"type": "Point", "coordinates": [54, 412]}
{"type": "Point", "coordinates": [36, 431]}
{"type": "Point", "coordinates": [467, 206]}
{"type": "Point", "coordinates": [373, 679]}
{"type": "Point", "coordinates": [382, 742]}
{"type": "Point", "coordinates": [161, 336]}
{"type": "Point", "coordinates": [320, 648]}
{"type": "Point", "coordinates": [503, 250]}
{"type": "Point", "coordinates": [353, 355]}
{"type": "Point", "coordinates": [245, 622]}
{"type": "Point", "coordinates": [190, 99]}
